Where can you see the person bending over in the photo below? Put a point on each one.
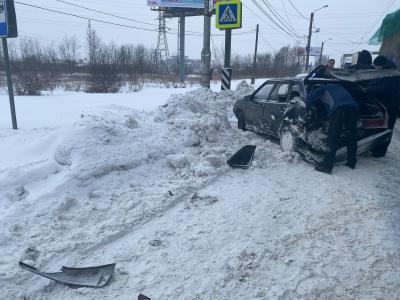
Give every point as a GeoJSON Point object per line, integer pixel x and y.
{"type": "Point", "coordinates": [342, 111]}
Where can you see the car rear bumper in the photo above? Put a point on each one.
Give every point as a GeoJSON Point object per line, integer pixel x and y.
{"type": "Point", "coordinates": [366, 144]}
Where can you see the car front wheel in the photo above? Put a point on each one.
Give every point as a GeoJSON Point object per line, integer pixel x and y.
{"type": "Point", "coordinates": [288, 140]}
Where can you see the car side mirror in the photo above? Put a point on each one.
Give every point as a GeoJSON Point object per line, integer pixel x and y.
{"type": "Point", "coordinates": [248, 98]}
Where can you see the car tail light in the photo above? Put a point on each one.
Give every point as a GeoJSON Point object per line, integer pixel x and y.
{"type": "Point", "coordinates": [374, 123]}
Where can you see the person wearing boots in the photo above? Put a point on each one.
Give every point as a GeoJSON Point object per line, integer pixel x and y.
{"type": "Point", "coordinates": [387, 90]}
{"type": "Point", "coordinates": [341, 109]}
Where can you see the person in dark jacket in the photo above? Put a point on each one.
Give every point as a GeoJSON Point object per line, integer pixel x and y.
{"type": "Point", "coordinates": [323, 72]}
{"type": "Point", "coordinates": [342, 111]}
{"type": "Point", "coordinates": [387, 90]}
{"type": "Point", "coordinates": [364, 61]}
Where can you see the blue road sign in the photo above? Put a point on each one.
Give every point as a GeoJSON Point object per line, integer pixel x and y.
{"type": "Point", "coordinates": [3, 19]}
{"type": "Point", "coordinates": [229, 14]}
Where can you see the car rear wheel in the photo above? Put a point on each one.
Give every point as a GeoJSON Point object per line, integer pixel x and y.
{"type": "Point", "coordinates": [288, 140]}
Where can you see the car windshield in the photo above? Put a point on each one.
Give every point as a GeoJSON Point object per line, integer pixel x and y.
{"type": "Point", "coordinates": [264, 92]}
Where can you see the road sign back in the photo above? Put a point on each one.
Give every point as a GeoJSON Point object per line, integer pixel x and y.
{"type": "Point", "coordinates": [3, 19]}
{"type": "Point", "coordinates": [229, 14]}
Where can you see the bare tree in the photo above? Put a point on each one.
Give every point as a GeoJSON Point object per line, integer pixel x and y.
{"type": "Point", "coordinates": [93, 44]}
{"type": "Point", "coordinates": [68, 52]}
{"type": "Point", "coordinates": [103, 67]}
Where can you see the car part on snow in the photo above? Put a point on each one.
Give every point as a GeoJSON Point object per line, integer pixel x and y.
{"type": "Point", "coordinates": [143, 297]}
{"type": "Point", "coordinates": [243, 158]}
{"type": "Point", "coordinates": [87, 277]}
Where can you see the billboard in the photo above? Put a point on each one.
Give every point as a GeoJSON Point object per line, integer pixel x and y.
{"type": "Point", "coordinates": [182, 3]}
{"type": "Point", "coordinates": [315, 51]}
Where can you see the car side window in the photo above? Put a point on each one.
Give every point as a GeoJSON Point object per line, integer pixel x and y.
{"type": "Point", "coordinates": [263, 93]}
{"type": "Point", "coordinates": [295, 91]}
{"type": "Point", "coordinates": [280, 93]}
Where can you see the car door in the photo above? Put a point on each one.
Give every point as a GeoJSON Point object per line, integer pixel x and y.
{"type": "Point", "coordinates": [254, 110]}
{"type": "Point", "coordinates": [276, 106]}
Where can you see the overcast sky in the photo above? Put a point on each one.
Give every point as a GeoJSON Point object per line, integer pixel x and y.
{"type": "Point", "coordinates": [349, 23]}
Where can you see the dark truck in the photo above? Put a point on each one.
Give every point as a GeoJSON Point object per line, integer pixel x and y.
{"type": "Point", "coordinates": [277, 108]}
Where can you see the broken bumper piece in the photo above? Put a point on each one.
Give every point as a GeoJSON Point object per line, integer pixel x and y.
{"type": "Point", "coordinates": [243, 158]}
{"type": "Point", "coordinates": [81, 277]}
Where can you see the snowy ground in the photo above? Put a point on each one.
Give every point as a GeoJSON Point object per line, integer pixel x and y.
{"type": "Point", "coordinates": [113, 180]}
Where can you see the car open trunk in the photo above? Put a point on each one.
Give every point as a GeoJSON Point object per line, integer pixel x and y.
{"type": "Point", "coordinates": [373, 114]}
{"type": "Point", "coordinates": [357, 76]}
{"type": "Point", "coordinates": [373, 117]}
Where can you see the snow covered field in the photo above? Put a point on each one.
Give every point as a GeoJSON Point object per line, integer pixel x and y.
{"type": "Point", "coordinates": [95, 179]}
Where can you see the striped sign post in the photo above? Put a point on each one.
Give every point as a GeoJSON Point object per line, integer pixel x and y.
{"type": "Point", "coordinates": [226, 79]}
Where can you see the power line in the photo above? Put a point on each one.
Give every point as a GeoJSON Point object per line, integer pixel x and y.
{"type": "Point", "coordinates": [254, 13]}
{"type": "Point", "coordinates": [300, 14]}
{"type": "Point", "coordinates": [266, 42]}
{"type": "Point", "coordinates": [385, 10]}
{"type": "Point", "coordinates": [85, 18]}
{"type": "Point", "coordinates": [192, 33]}
{"type": "Point", "coordinates": [115, 16]}
{"type": "Point", "coordinates": [341, 37]}
{"type": "Point", "coordinates": [287, 16]}
{"type": "Point", "coordinates": [97, 20]}
{"type": "Point", "coordinates": [105, 13]}
{"type": "Point", "coordinates": [272, 20]}
{"type": "Point", "coordinates": [279, 18]}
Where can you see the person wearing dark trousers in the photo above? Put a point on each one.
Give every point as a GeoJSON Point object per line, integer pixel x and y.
{"type": "Point", "coordinates": [341, 109]}
{"type": "Point", "coordinates": [387, 90]}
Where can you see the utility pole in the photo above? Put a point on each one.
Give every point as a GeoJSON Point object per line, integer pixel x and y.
{"type": "Point", "coordinates": [182, 47]}
{"type": "Point", "coordinates": [9, 84]}
{"type": "Point", "coordinates": [320, 55]}
{"type": "Point", "coordinates": [309, 42]}
{"type": "Point", "coordinates": [206, 52]}
{"type": "Point", "coordinates": [309, 36]}
{"type": "Point", "coordinates": [253, 78]}
{"type": "Point", "coordinates": [322, 50]}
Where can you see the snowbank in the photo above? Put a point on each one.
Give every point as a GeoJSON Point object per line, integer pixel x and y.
{"type": "Point", "coordinates": [151, 192]}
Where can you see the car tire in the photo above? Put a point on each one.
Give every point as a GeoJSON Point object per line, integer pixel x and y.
{"type": "Point", "coordinates": [241, 121]}
{"type": "Point", "coordinates": [288, 139]}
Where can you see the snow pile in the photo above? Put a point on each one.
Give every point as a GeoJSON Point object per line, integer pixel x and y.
{"type": "Point", "coordinates": [151, 192]}
{"type": "Point", "coordinates": [110, 173]}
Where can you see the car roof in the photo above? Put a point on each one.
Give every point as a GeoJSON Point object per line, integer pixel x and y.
{"type": "Point", "coordinates": [285, 79]}
{"type": "Point", "coordinates": [363, 75]}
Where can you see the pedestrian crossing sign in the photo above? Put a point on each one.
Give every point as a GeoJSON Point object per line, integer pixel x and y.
{"type": "Point", "coordinates": [228, 14]}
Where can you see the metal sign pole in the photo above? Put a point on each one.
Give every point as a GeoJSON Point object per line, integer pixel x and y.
{"type": "Point", "coordinates": [182, 47]}
{"type": "Point", "coordinates": [9, 83]}
{"type": "Point", "coordinates": [206, 53]}
{"type": "Point", "coordinates": [228, 17]}
{"type": "Point", "coordinates": [227, 71]}
{"type": "Point", "coordinates": [228, 46]}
